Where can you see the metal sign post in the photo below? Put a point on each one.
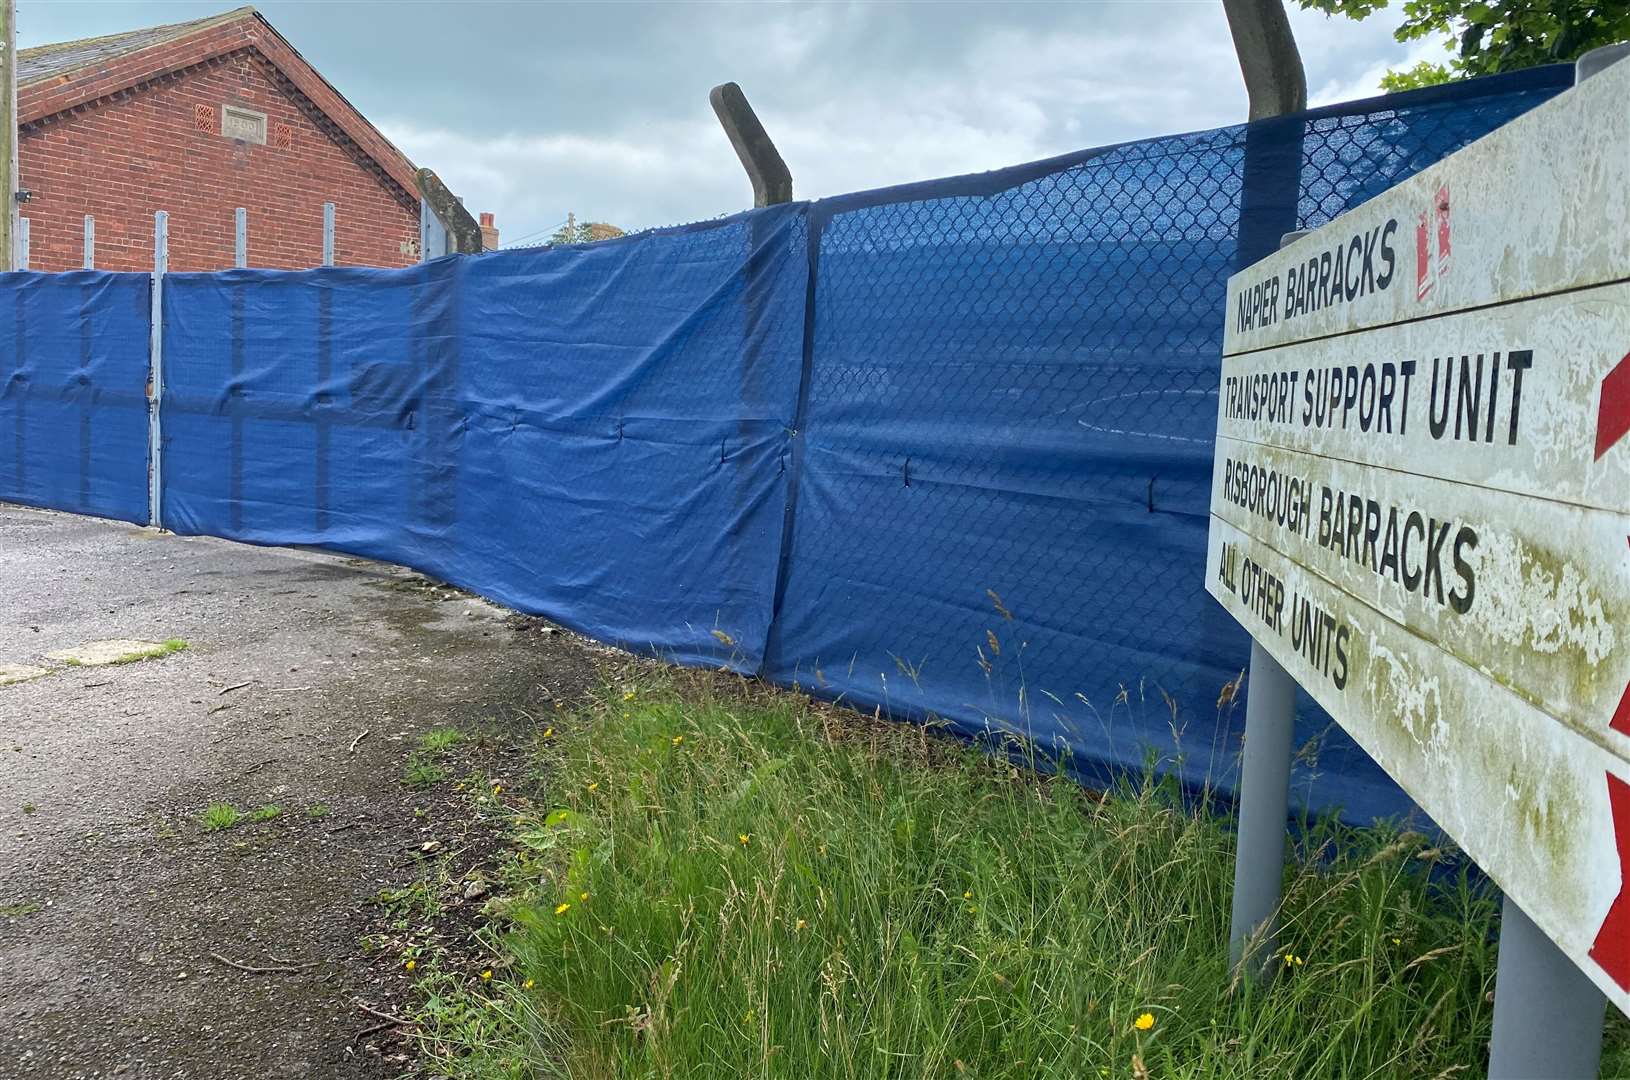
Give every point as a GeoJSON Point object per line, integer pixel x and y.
{"type": "Point", "coordinates": [328, 234]}
{"type": "Point", "coordinates": [240, 238]}
{"type": "Point", "coordinates": [90, 243]}
{"type": "Point", "coordinates": [1264, 806]}
{"type": "Point", "coordinates": [1420, 508]}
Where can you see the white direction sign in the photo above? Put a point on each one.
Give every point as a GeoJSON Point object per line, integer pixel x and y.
{"type": "Point", "coordinates": [1421, 498]}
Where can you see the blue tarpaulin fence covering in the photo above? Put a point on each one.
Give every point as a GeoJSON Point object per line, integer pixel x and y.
{"type": "Point", "coordinates": [942, 448]}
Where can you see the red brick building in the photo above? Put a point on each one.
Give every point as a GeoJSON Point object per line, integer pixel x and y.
{"type": "Point", "coordinates": [197, 119]}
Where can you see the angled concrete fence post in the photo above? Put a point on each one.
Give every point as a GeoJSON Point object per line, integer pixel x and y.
{"type": "Point", "coordinates": [771, 181]}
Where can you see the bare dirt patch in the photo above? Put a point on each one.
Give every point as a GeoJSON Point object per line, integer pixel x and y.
{"type": "Point", "coordinates": [125, 926]}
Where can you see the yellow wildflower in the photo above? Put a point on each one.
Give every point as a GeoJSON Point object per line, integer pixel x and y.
{"type": "Point", "coordinates": [802, 925]}
{"type": "Point", "coordinates": [594, 786]}
{"type": "Point", "coordinates": [549, 733]}
{"type": "Point", "coordinates": [629, 696]}
{"type": "Point", "coordinates": [411, 964]}
{"type": "Point", "coordinates": [486, 976]}
{"type": "Point", "coordinates": [967, 894]}
{"type": "Point", "coordinates": [496, 788]}
{"type": "Point", "coordinates": [745, 838]}
{"type": "Point", "coordinates": [1144, 1022]}
{"type": "Point", "coordinates": [583, 897]}
{"type": "Point", "coordinates": [527, 985]}
{"type": "Point", "coordinates": [561, 909]}
{"type": "Point", "coordinates": [678, 739]}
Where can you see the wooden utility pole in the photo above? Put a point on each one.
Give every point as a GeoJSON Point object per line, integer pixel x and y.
{"type": "Point", "coordinates": [8, 133]}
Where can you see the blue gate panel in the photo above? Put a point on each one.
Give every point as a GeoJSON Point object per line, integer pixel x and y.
{"type": "Point", "coordinates": [73, 392]}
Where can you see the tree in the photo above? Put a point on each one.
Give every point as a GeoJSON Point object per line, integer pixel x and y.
{"type": "Point", "coordinates": [583, 232]}
{"type": "Point", "coordinates": [1489, 36]}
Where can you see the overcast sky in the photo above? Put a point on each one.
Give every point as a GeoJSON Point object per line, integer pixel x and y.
{"type": "Point", "coordinates": [533, 109]}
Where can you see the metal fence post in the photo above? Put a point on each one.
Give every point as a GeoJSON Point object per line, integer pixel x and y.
{"type": "Point", "coordinates": [240, 244]}
{"type": "Point", "coordinates": [22, 243]}
{"type": "Point", "coordinates": [155, 376]}
{"type": "Point", "coordinates": [432, 234]}
{"type": "Point", "coordinates": [90, 242]}
{"type": "Point", "coordinates": [1548, 1015]}
{"type": "Point", "coordinates": [328, 234]}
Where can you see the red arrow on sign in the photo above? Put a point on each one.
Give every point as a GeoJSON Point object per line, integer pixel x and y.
{"type": "Point", "coordinates": [1612, 946]}
{"type": "Point", "coordinates": [1611, 949]}
{"type": "Point", "coordinates": [1612, 424]}
{"type": "Point", "coordinates": [1613, 411]}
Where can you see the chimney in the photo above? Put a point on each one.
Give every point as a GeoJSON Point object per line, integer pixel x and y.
{"type": "Point", "coordinates": [489, 234]}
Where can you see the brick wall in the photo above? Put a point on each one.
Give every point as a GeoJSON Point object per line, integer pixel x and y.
{"type": "Point", "coordinates": [160, 148]}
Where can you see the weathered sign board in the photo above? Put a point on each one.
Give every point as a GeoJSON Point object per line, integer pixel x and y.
{"type": "Point", "coordinates": [1421, 500]}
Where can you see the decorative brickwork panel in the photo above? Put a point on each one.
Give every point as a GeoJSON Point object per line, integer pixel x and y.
{"type": "Point", "coordinates": [126, 158]}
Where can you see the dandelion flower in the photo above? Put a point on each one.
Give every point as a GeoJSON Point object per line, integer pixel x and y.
{"type": "Point", "coordinates": [411, 964]}
{"type": "Point", "coordinates": [745, 838]}
{"type": "Point", "coordinates": [802, 925]}
{"type": "Point", "coordinates": [486, 976]}
{"type": "Point", "coordinates": [583, 897]}
{"type": "Point", "coordinates": [629, 696]}
{"type": "Point", "coordinates": [549, 733]}
{"type": "Point", "coordinates": [527, 985]}
{"type": "Point", "coordinates": [594, 786]}
{"type": "Point", "coordinates": [967, 894]}
{"type": "Point", "coordinates": [496, 788]}
{"type": "Point", "coordinates": [561, 909]}
{"type": "Point", "coordinates": [678, 739]}
{"type": "Point", "coordinates": [1144, 1022]}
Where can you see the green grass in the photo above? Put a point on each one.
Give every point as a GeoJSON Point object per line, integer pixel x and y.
{"type": "Point", "coordinates": [19, 909]}
{"type": "Point", "coordinates": [423, 767]}
{"type": "Point", "coordinates": [166, 648]}
{"type": "Point", "coordinates": [742, 887]}
{"type": "Point", "coordinates": [218, 816]}
{"type": "Point", "coordinates": [318, 810]}
{"type": "Point", "coordinates": [436, 740]}
{"type": "Point", "coordinates": [421, 772]}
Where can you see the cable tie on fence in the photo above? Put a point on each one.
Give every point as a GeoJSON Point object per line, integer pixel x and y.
{"type": "Point", "coordinates": [905, 472]}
